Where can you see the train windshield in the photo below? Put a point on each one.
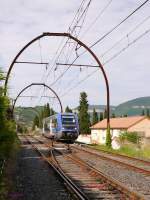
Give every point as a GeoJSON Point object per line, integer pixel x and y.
{"type": "Point", "coordinates": [68, 120]}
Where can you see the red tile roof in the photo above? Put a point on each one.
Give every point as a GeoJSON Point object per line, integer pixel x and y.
{"type": "Point", "coordinates": [118, 123]}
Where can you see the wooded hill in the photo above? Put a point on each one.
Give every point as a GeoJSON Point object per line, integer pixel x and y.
{"type": "Point", "coordinates": [133, 107]}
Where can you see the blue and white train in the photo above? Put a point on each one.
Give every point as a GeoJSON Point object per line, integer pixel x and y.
{"type": "Point", "coordinates": [62, 127]}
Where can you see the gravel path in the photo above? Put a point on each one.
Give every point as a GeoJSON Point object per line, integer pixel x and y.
{"type": "Point", "coordinates": [34, 179]}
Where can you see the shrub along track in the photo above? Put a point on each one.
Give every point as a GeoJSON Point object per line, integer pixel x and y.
{"type": "Point", "coordinates": [91, 181]}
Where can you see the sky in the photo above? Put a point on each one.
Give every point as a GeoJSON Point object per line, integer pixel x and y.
{"type": "Point", "coordinates": [127, 73]}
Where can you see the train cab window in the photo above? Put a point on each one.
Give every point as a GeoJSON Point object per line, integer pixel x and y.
{"type": "Point", "coordinates": [68, 120]}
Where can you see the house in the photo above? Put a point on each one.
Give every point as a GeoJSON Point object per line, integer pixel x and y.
{"type": "Point", "coordinates": [139, 124]}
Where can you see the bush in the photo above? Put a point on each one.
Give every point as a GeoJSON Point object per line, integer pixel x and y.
{"type": "Point", "coordinates": [7, 138]}
{"type": "Point", "coordinates": [129, 136]}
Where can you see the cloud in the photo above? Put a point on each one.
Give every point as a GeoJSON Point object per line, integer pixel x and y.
{"type": "Point", "coordinates": [128, 74]}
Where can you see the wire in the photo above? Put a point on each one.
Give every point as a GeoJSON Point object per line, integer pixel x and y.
{"type": "Point", "coordinates": [109, 60]}
{"type": "Point", "coordinates": [82, 15]}
{"type": "Point", "coordinates": [115, 27]}
{"type": "Point", "coordinates": [63, 47]}
{"type": "Point", "coordinates": [69, 30]}
{"type": "Point", "coordinates": [104, 36]}
{"type": "Point", "coordinates": [97, 17]}
{"type": "Point", "coordinates": [127, 35]}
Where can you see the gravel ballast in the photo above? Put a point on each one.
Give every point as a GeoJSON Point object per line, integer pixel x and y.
{"type": "Point", "coordinates": [33, 179]}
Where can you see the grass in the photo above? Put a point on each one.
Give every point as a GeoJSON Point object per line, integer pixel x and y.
{"type": "Point", "coordinates": [128, 150]}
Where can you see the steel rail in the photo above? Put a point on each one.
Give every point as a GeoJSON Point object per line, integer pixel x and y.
{"type": "Point", "coordinates": [75, 190]}
{"type": "Point", "coordinates": [116, 184]}
{"type": "Point", "coordinates": [119, 155]}
{"type": "Point", "coordinates": [133, 167]}
{"type": "Point", "coordinates": [119, 186]}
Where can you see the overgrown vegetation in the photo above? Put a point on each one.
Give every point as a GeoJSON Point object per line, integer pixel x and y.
{"type": "Point", "coordinates": [108, 138]}
{"type": "Point", "coordinates": [130, 137]}
{"type": "Point", "coordinates": [126, 150]}
{"type": "Point", "coordinates": [7, 125]}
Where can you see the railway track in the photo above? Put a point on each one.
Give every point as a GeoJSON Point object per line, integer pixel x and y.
{"type": "Point", "coordinates": [90, 181]}
{"type": "Point", "coordinates": [141, 166]}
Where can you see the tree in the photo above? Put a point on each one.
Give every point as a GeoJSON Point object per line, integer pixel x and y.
{"type": "Point", "coordinates": [68, 110]}
{"type": "Point", "coordinates": [52, 112]}
{"type": "Point", "coordinates": [105, 113]}
{"type": "Point", "coordinates": [95, 117]}
{"type": "Point", "coordinates": [7, 125]}
{"type": "Point", "coordinates": [113, 115]}
{"type": "Point", "coordinates": [147, 112]}
{"type": "Point", "coordinates": [101, 116]}
{"type": "Point", "coordinates": [143, 112]}
{"type": "Point", "coordinates": [36, 122]}
{"type": "Point", "coordinates": [84, 119]}
{"type": "Point", "coordinates": [47, 110]}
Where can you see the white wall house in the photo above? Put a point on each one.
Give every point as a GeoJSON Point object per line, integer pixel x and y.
{"type": "Point", "coordinates": [139, 124]}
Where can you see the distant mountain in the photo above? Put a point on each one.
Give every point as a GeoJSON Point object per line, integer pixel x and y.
{"type": "Point", "coordinates": [98, 108]}
{"type": "Point", "coordinates": [133, 107]}
{"type": "Point", "coordinates": [130, 108]}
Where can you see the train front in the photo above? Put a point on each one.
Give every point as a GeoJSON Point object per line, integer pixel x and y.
{"type": "Point", "coordinates": [70, 127]}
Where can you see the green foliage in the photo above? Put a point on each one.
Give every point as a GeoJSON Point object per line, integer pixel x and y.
{"type": "Point", "coordinates": [108, 138]}
{"type": "Point", "coordinates": [68, 110]}
{"type": "Point", "coordinates": [113, 115]}
{"type": "Point", "coordinates": [95, 117]}
{"type": "Point", "coordinates": [129, 136]}
{"type": "Point", "coordinates": [7, 126]}
{"type": "Point", "coordinates": [126, 150]}
{"type": "Point", "coordinates": [84, 119]}
{"type": "Point", "coordinates": [101, 116]}
{"type": "Point", "coordinates": [147, 112]}
{"type": "Point", "coordinates": [128, 107]}
{"type": "Point", "coordinates": [36, 122]}
{"type": "Point", "coordinates": [143, 112]}
{"type": "Point", "coordinates": [7, 138]}
{"type": "Point", "coordinates": [45, 112]}
{"type": "Point", "coordinates": [105, 113]}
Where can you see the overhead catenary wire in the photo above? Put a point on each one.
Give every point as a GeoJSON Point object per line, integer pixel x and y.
{"type": "Point", "coordinates": [97, 17]}
{"type": "Point", "coordinates": [127, 35]}
{"type": "Point", "coordinates": [71, 29]}
{"type": "Point", "coordinates": [118, 25]}
{"type": "Point", "coordinates": [78, 20]}
{"type": "Point", "coordinates": [108, 61]}
{"type": "Point", "coordinates": [61, 75]}
{"type": "Point", "coordinates": [63, 47]}
{"type": "Point", "coordinates": [108, 33]}
{"type": "Point", "coordinates": [60, 49]}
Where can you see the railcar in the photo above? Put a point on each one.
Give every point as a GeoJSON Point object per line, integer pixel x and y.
{"type": "Point", "coordinates": [62, 127]}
